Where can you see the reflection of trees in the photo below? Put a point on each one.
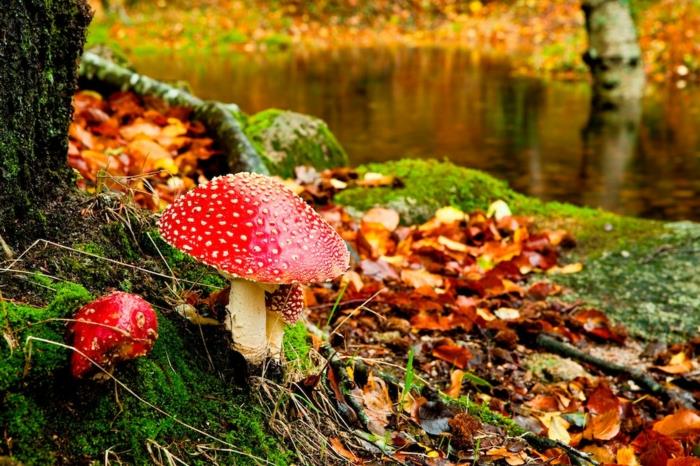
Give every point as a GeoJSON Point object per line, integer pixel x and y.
{"type": "Point", "coordinates": [610, 142]}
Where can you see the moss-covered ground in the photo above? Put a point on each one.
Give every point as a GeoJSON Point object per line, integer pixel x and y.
{"type": "Point", "coordinates": [47, 417]}
{"type": "Point", "coordinates": [641, 272]}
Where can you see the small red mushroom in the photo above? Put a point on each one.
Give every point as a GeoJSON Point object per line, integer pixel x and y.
{"type": "Point", "coordinates": [113, 328]}
{"type": "Point", "coordinates": [288, 301]}
{"type": "Point", "coordinates": [261, 235]}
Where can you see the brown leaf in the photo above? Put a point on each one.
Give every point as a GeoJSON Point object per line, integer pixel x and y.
{"type": "Point", "coordinates": [655, 449]}
{"type": "Point", "coordinates": [339, 448]}
{"type": "Point", "coordinates": [449, 351]}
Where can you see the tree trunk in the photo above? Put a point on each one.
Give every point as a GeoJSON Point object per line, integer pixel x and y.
{"type": "Point", "coordinates": [40, 43]}
{"type": "Point", "coordinates": [613, 54]}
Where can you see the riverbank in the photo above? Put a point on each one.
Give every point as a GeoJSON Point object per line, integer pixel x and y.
{"type": "Point", "coordinates": [545, 38]}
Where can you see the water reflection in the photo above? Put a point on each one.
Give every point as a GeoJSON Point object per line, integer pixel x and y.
{"type": "Point", "coordinates": [468, 107]}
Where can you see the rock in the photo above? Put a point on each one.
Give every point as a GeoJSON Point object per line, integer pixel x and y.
{"type": "Point", "coordinates": [554, 368]}
{"type": "Point", "coordinates": [288, 139]}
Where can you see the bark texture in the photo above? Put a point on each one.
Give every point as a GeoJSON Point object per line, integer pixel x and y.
{"type": "Point", "coordinates": [40, 43]}
{"type": "Point", "coordinates": [613, 55]}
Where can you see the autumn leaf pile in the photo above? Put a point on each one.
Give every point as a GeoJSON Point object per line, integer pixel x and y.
{"type": "Point", "coordinates": [466, 296]}
{"type": "Point", "coordinates": [137, 145]}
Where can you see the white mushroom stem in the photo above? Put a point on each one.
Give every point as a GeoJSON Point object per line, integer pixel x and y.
{"type": "Point", "coordinates": [245, 319]}
{"type": "Point", "coordinates": [275, 334]}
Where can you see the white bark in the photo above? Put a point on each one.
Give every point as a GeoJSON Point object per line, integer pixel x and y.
{"type": "Point", "coordinates": [246, 320]}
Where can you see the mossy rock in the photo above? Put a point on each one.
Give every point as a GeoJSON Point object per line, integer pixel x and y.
{"type": "Point", "coordinates": [641, 272]}
{"type": "Point", "coordinates": [288, 139]}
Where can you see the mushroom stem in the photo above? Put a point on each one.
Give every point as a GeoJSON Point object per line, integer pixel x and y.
{"type": "Point", "coordinates": [275, 334]}
{"type": "Point", "coordinates": [245, 320]}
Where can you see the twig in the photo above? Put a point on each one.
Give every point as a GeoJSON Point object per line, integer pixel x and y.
{"type": "Point", "coordinates": [640, 377]}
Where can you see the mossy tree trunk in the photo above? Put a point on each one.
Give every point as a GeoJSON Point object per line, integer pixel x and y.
{"type": "Point", "coordinates": [40, 44]}
{"type": "Point", "coordinates": [613, 55]}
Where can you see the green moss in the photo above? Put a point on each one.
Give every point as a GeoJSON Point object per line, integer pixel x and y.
{"type": "Point", "coordinates": [430, 184]}
{"type": "Point", "coordinates": [288, 139]}
{"type": "Point", "coordinates": [25, 362]}
{"type": "Point", "coordinates": [52, 418]}
{"type": "Point", "coordinates": [297, 346]}
{"type": "Point", "coordinates": [652, 285]}
{"type": "Point", "coordinates": [427, 186]}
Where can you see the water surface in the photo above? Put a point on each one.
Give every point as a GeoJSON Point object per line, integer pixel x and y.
{"type": "Point", "coordinates": [474, 110]}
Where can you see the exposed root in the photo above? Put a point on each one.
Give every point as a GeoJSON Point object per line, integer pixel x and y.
{"type": "Point", "coordinates": [643, 379]}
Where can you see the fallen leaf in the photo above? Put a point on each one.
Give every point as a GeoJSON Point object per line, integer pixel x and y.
{"type": "Point", "coordinates": [455, 389]}
{"type": "Point", "coordinates": [557, 427]}
{"type": "Point", "coordinates": [339, 448]}
{"type": "Point", "coordinates": [626, 457]}
{"type": "Point", "coordinates": [507, 313]}
{"type": "Point", "coordinates": [566, 270]}
{"type": "Point", "coordinates": [449, 351]}
{"type": "Point", "coordinates": [681, 423]}
{"type": "Point", "coordinates": [498, 210]}
{"type": "Point", "coordinates": [421, 277]}
{"type": "Point", "coordinates": [679, 364]}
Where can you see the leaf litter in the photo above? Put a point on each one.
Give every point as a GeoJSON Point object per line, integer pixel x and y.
{"type": "Point", "coordinates": [465, 294]}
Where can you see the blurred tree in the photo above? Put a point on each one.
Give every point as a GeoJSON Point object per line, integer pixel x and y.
{"type": "Point", "coordinates": [41, 43]}
{"type": "Point", "coordinates": [613, 55]}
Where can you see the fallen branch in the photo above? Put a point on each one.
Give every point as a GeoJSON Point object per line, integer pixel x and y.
{"type": "Point", "coordinates": [641, 378]}
{"type": "Point", "coordinates": [220, 118]}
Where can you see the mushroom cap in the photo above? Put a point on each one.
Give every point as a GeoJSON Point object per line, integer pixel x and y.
{"type": "Point", "coordinates": [113, 328]}
{"type": "Point", "coordinates": [288, 300]}
{"type": "Point", "coordinates": [252, 226]}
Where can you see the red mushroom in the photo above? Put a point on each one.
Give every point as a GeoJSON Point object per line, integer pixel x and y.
{"type": "Point", "coordinates": [284, 305]}
{"type": "Point", "coordinates": [113, 328]}
{"type": "Point", "coordinates": [261, 235]}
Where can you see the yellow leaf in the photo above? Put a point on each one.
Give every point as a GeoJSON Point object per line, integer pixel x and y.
{"type": "Point", "coordinates": [453, 245]}
{"type": "Point", "coordinates": [498, 210]}
{"type": "Point", "coordinates": [557, 427]}
{"type": "Point", "coordinates": [507, 313]}
{"type": "Point", "coordinates": [447, 215]}
{"type": "Point", "coordinates": [576, 267]}
{"type": "Point", "coordinates": [626, 456]}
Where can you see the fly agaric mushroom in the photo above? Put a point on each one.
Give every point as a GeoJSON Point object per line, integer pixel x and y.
{"type": "Point", "coordinates": [261, 235]}
{"type": "Point", "coordinates": [113, 328]}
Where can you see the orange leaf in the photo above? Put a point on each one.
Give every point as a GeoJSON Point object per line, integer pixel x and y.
{"type": "Point", "coordinates": [340, 449]}
{"type": "Point", "coordinates": [449, 351]}
{"type": "Point", "coordinates": [421, 277]}
{"type": "Point", "coordinates": [456, 383]}
{"type": "Point", "coordinates": [682, 423]}
{"type": "Point", "coordinates": [684, 461]}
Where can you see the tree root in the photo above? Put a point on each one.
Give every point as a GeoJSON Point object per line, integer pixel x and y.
{"type": "Point", "coordinates": [220, 118]}
{"type": "Point", "coordinates": [641, 378]}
